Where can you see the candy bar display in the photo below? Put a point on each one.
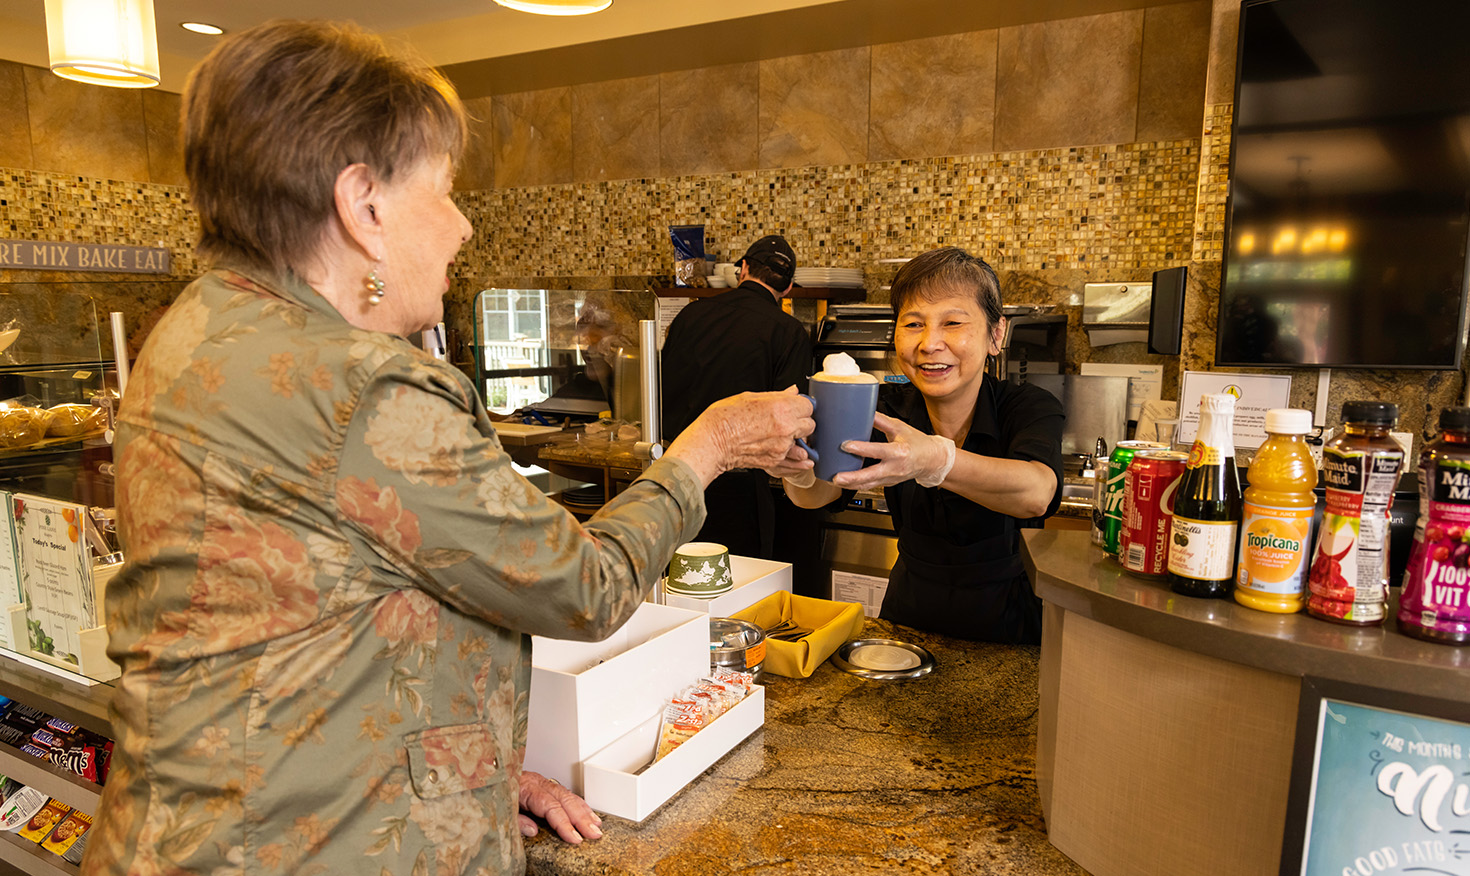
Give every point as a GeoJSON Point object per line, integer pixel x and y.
{"type": "Point", "coordinates": [51, 739]}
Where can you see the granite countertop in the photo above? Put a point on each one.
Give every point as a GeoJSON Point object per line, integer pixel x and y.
{"type": "Point", "coordinates": [930, 775]}
{"type": "Point", "coordinates": [1069, 571]}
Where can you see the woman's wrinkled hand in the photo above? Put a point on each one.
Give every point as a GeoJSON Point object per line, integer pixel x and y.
{"type": "Point", "coordinates": [565, 812]}
{"type": "Point", "coordinates": [908, 454]}
{"type": "Point", "coordinates": [749, 430]}
{"type": "Point", "coordinates": [796, 466]}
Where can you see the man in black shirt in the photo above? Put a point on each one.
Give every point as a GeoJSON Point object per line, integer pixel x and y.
{"type": "Point", "coordinates": [738, 341]}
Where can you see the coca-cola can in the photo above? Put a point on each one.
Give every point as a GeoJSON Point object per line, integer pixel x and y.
{"type": "Point", "coordinates": [1149, 485]}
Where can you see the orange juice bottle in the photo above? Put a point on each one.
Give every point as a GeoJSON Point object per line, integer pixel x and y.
{"type": "Point", "coordinates": [1276, 525]}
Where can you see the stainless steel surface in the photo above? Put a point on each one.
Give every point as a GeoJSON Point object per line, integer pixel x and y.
{"type": "Point", "coordinates": [1095, 407]}
{"type": "Point", "coordinates": [849, 658]}
{"type": "Point", "coordinates": [648, 382]}
{"type": "Point", "coordinates": [1076, 498]}
{"type": "Point", "coordinates": [120, 351]}
{"type": "Point", "coordinates": [1117, 304]}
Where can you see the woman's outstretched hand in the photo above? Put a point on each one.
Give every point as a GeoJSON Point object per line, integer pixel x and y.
{"type": "Point", "coordinates": [749, 430]}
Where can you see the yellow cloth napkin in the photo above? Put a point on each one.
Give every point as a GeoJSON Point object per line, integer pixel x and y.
{"type": "Point", "coordinates": [831, 623]}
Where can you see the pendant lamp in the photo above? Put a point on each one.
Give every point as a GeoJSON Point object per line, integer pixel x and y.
{"type": "Point", "coordinates": [557, 7]}
{"type": "Point", "coordinates": [103, 42]}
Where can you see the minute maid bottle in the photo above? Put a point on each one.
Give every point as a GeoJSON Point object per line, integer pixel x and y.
{"type": "Point", "coordinates": [1435, 603]}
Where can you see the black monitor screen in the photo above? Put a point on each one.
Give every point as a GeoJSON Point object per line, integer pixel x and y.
{"type": "Point", "coordinates": [1350, 185]}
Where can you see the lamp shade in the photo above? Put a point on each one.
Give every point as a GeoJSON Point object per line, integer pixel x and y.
{"type": "Point", "coordinates": [557, 7]}
{"type": "Point", "coordinates": [103, 42]}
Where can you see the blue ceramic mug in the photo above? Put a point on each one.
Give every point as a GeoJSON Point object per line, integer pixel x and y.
{"type": "Point", "coordinates": [843, 411]}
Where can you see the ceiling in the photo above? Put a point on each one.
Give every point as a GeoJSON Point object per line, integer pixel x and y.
{"type": "Point", "coordinates": [487, 48]}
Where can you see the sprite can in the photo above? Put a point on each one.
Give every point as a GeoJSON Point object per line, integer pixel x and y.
{"type": "Point", "coordinates": [1112, 490]}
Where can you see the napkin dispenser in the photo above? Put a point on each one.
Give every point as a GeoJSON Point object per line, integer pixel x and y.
{"type": "Point", "coordinates": [1116, 313]}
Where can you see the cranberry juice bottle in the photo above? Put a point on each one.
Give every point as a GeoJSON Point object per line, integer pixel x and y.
{"type": "Point", "coordinates": [1348, 580]}
{"type": "Point", "coordinates": [1435, 603]}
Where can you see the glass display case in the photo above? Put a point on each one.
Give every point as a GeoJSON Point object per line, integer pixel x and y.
{"type": "Point", "coordinates": [58, 387]}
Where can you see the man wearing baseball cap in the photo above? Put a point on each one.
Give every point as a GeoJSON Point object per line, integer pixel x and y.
{"type": "Point", "coordinates": [738, 341]}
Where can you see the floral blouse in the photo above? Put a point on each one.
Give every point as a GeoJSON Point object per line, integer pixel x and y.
{"type": "Point", "coordinates": [333, 573]}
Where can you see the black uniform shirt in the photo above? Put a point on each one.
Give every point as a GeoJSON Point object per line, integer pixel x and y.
{"type": "Point", "coordinates": [959, 570]}
{"type": "Point", "coordinates": [738, 341]}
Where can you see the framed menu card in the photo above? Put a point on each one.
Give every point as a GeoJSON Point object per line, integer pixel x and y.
{"type": "Point", "coordinates": [1380, 784]}
{"type": "Point", "coordinates": [55, 566]}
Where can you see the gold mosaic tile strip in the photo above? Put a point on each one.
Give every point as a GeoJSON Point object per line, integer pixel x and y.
{"type": "Point", "coordinates": [1214, 183]}
{"type": "Point", "coordinates": [1130, 204]}
{"type": "Point", "coordinates": [36, 205]}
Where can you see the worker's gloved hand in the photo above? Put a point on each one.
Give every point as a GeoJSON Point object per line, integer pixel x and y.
{"type": "Point", "coordinates": [908, 454]}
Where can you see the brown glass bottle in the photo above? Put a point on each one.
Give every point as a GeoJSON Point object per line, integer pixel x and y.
{"type": "Point", "coordinates": [1348, 580]}
{"type": "Point", "coordinates": [1207, 507]}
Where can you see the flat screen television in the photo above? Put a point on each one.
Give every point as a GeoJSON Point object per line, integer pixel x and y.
{"type": "Point", "coordinates": [1349, 206]}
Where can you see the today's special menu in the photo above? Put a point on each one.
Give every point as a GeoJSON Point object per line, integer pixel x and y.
{"type": "Point", "coordinates": [1390, 794]}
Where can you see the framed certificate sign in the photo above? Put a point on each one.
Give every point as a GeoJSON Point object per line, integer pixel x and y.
{"type": "Point", "coordinates": [1380, 784]}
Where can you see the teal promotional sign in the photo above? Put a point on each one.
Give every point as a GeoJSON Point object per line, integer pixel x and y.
{"type": "Point", "coordinates": [1390, 794]}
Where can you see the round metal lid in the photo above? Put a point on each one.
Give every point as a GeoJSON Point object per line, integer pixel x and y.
{"type": "Point", "coordinates": [883, 659]}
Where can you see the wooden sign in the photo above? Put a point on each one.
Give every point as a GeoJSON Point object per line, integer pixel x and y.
{"type": "Point", "coordinates": [47, 255]}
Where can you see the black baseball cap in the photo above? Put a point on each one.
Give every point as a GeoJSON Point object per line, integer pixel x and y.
{"type": "Point", "coordinates": [775, 254]}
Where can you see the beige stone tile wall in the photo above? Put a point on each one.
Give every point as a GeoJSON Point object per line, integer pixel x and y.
{"type": "Point", "coordinates": [933, 97]}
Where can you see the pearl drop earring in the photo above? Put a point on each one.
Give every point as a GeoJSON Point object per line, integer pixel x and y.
{"type": "Point", "coordinates": [374, 288]}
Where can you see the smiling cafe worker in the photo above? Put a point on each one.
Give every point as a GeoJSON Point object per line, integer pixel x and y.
{"type": "Point", "coordinates": [968, 460]}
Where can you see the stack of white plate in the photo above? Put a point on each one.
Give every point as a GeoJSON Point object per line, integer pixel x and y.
{"type": "Point", "coordinates": [839, 277]}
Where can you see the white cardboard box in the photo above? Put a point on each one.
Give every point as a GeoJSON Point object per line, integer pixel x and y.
{"type": "Point", "coordinates": [613, 784]}
{"type": "Point", "coordinates": [585, 695]}
{"type": "Point", "coordinates": [754, 580]}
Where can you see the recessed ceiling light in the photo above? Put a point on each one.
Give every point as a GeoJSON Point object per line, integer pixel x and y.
{"type": "Point", "coordinates": [201, 27]}
{"type": "Point", "coordinates": [557, 7]}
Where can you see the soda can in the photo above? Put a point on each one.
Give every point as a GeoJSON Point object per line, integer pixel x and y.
{"type": "Point", "coordinates": [1149, 485]}
{"type": "Point", "coordinates": [1112, 496]}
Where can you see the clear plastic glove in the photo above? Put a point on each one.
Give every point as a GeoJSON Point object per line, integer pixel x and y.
{"type": "Point", "coordinates": [749, 430]}
{"type": "Point", "coordinates": [564, 812]}
{"type": "Point", "coordinates": [908, 454]}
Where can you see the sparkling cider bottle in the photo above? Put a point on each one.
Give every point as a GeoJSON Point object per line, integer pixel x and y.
{"type": "Point", "coordinates": [1207, 507]}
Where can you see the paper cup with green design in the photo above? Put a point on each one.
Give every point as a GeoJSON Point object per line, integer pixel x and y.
{"type": "Point", "coordinates": [700, 569]}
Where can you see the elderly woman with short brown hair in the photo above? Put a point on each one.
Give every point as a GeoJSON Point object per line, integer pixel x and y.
{"type": "Point", "coordinates": [333, 570]}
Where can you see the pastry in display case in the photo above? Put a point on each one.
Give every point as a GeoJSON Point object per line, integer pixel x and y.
{"type": "Point", "coordinates": [58, 385]}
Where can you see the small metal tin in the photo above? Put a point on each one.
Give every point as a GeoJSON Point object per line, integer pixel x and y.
{"type": "Point", "coordinates": [737, 644]}
{"type": "Point", "coordinates": [883, 659]}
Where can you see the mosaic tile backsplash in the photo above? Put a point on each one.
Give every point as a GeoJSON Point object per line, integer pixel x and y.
{"type": "Point", "coordinates": [1126, 205]}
